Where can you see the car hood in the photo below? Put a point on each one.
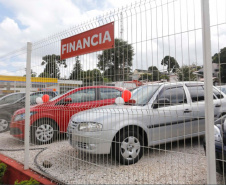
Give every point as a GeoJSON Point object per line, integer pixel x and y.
{"type": "Point", "coordinates": [100, 114]}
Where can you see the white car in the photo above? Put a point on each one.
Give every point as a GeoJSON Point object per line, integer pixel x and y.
{"type": "Point", "coordinates": [156, 113]}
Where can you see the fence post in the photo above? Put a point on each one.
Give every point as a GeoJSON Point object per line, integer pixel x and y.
{"type": "Point", "coordinates": [208, 80]}
{"type": "Point", "coordinates": [27, 106]}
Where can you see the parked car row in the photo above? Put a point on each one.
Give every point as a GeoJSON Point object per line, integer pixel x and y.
{"type": "Point", "coordinates": [156, 113]}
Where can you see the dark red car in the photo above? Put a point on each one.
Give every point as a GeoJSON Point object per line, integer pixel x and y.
{"type": "Point", "coordinates": [49, 119]}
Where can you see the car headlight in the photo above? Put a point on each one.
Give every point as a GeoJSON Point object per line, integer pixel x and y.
{"type": "Point", "coordinates": [90, 127]}
{"type": "Point", "coordinates": [21, 117]}
{"type": "Point", "coordinates": [217, 134]}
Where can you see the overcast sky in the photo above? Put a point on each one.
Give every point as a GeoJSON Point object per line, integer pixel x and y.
{"type": "Point", "coordinates": [171, 29]}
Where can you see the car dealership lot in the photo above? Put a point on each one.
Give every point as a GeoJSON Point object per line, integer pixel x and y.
{"type": "Point", "coordinates": [177, 162]}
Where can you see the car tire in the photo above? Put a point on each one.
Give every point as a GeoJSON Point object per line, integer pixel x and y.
{"type": "Point", "coordinates": [127, 147]}
{"type": "Point", "coordinates": [4, 124]}
{"type": "Point", "coordinates": [43, 132]}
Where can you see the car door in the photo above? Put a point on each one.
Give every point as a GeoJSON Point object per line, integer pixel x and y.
{"type": "Point", "coordinates": [197, 95]}
{"type": "Point", "coordinates": [79, 101]}
{"type": "Point", "coordinates": [171, 118]}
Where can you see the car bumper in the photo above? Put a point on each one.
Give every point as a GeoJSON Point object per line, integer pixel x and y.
{"type": "Point", "coordinates": [91, 142]}
{"type": "Point", "coordinates": [17, 129]}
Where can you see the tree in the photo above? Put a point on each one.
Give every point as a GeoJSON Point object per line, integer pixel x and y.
{"type": "Point", "coordinates": [185, 73]}
{"type": "Point", "coordinates": [171, 63]}
{"type": "Point", "coordinates": [90, 76]}
{"type": "Point", "coordinates": [155, 73]}
{"type": "Point", "coordinates": [116, 62]}
{"type": "Point", "coordinates": [146, 76]}
{"type": "Point", "coordinates": [220, 58]}
{"type": "Point", "coordinates": [76, 73]}
{"type": "Point", "coordinates": [33, 74]}
{"type": "Point", "coordinates": [52, 63]}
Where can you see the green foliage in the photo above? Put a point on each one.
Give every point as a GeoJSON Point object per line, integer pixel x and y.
{"type": "Point", "coordinates": [52, 63]}
{"type": "Point", "coordinates": [171, 63]}
{"type": "Point", "coordinates": [116, 62]}
{"type": "Point", "coordinates": [27, 182]}
{"type": "Point", "coordinates": [156, 75]}
{"type": "Point", "coordinates": [76, 73]}
{"type": "Point", "coordinates": [185, 73]}
{"type": "Point", "coordinates": [106, 80]}
{"type": "Point", "coordinates": [45, 75]}
{"type": "Point", "coordinates": [163, 77]}
{"type": "Point", "coordinates": [92, 75]}
{"type": "Point", "coordinates": [220, 58]}
{"type": "Point", "coordinates": [33, 74]}
{"type": "Point", "coordinates": [146, 76]}
{"type": "Point", "coordinates": [3, 168]}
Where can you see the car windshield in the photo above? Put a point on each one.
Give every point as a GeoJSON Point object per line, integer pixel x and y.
{"type": "Point", "coordinates": [56, 97]}
{"type": "Point", "coordinates": [143, 94]}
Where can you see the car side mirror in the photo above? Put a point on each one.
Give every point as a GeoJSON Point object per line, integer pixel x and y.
{"type": "Point", "coordinates": [161, 103]}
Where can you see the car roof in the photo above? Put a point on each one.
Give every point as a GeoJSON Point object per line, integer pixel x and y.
{"type": "Point", "coordinates": [221, 86]}
{"type": "Point", "coordinates": [11, 94]}
{"type": "Point", "coordinates": [191, 83]}
{"type": "Point", "coordinates": [98, 86]}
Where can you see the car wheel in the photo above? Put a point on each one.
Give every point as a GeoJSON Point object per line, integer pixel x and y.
{"type": "Point", "coordinates": [4, 124]}
{"type": "Point", "coordinates": [44, 132]}
{"type": "Point", "coordinates": [128, 147]}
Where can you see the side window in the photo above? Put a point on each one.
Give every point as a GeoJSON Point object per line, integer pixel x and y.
{"type": "Point", "coordinates": [171, 96]}
{"type": "Point", "coordinates": [196, 93]}
{"type": "Point", "coordinates": [85, 95]}
{"type": "Point", "coordinates": [22, 95]}
{"type": "Point", "coordinates": [12, 98]}
{"type": "Point", "coordinates": [217, 94]}
{"type": "Point", "coordinates": [3, 101]}
{"type": "Point", "coordinates": [109, 93]}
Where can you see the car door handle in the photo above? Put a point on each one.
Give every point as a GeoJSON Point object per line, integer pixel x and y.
{"type": "Point", "coordinates": [218, 105]}
{"type": "Point", "coordinates": [187, 111]}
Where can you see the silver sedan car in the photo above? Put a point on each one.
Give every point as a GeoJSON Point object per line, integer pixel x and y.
{"type": "Point", "coordinates": [155, 114]}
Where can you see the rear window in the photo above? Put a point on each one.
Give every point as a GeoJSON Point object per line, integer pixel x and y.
{"type": "Point", "coordinates": [109, 93]}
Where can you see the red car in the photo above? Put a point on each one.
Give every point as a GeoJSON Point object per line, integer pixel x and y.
{"type": "Point", "coordinates": [49, 119]}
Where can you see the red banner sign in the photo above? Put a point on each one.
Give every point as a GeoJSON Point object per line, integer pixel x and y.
{"type": "Point", "coordinates": [97, 39]}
